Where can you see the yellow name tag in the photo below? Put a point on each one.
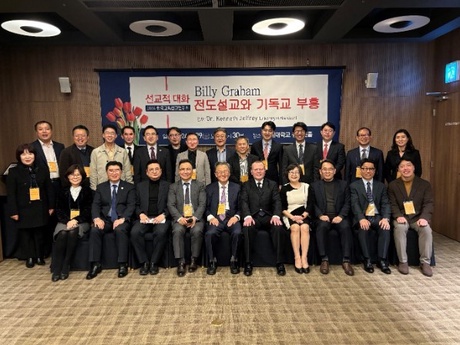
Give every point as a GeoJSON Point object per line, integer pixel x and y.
{"type": "Point", "coordinates": [74, 213]}
{"type": "Point", "coordinates": [188, 210]}
{"type": "Point", "coordinates": [370, 211]}
{"type": "Point", "coordinates": [221, 209]}
{"type": "Point", "coordinates": [265, 164]}
{"type": "Point", "coordinates": [34, 194]}
{"type": "Point", "coordinates": [409, 207]}
{"type": "Point", "coordinates": [303, 169]}
{"type": "Point", "coordinates": [132, 170]}
{"type": "Point", "coordinates": [398, 174]}
{"type": "Point", "coordinates": [358, 172]}
{"type": "Point", "coordinates": [244, 178]}
{"type": "Point", "coordinates": [194, 174]}
{"type": "Point", "coordinates": [87, 171]}
{"type": "Point", "coordinates": [52, 166]}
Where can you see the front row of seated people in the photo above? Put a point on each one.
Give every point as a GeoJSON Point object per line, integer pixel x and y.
{"type": "Point", "coordinates": [237, 208]}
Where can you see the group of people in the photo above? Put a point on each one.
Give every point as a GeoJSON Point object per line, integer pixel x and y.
{"type": "Point", "coordinates": [292, 189]}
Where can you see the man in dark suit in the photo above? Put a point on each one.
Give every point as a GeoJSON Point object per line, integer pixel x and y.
{"type": "Point", "coordinates": [329, 203]}
{"type": "Point", "coordinates": [186, 204]}
{"type": "Point", "coordinates": [113, 206]}
{"type": "Point", "coordinates": [269, 152]}
{"type": "Point", "coordinates": [175, 147]}
{"type": "Point", "coordinates": [221, 152]}
{"type": "Point", "coordinates": [371, 210]}
{"type": "Point", "coordinates": [241, 161]}
{"type": "Point", "coordinates": [303, 153]}
{"type": "Point", "coordinates": [222, 214]}
{"type": "Point", "coordinates": [199, 159]}
{"type": "Point", "coordinates": [77, 153]}
{"type": "Point", "coordinates": [261, 210]}
{"type": "Point", "coordinates": [151, 151]}
{"type": "Point", "coordinates": [127, 134]}
{"type": "Point", "coordinates": [152, 215]}
{"type": "Point", "coordinates": [330, 149]}
{"type": "Point", "coordinates": [364, 150]}
{"type": "Point", "coordinates": [411, 202]}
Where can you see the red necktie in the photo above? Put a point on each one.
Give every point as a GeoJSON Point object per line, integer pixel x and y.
{"type": "Point", "coordinates": [325, 151]}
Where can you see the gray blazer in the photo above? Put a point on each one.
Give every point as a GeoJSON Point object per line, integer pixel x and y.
{"type": "Point", "coordinates": [203, 171]}
{"type": "Point", "coordinates": [176, 199]}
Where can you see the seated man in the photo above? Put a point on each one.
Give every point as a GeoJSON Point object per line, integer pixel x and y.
{"type": "Point", "coordinates": [371, 209]}
{"type": "Point", "coordinates": [411, 202]}
{"type": "Point", "coordinates": [152, 215]}
{"type": "Point", "coordinates": [186, 203]}
{"type": "Point", "coordinates": [222, 214]}
{"type": "Point", "coordinates": [261, 209]}
{"type": "Point", "coordinates": [329, 203]}
{"type": "Point", "coordinates": [113, 206]}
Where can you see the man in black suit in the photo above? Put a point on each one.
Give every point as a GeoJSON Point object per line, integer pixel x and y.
{"type": "Point", "coordinates": [152, 215]}
{"type": "Point", "coordinates": [261, 210]}
{"type": "Point", "coordinates": [330, 149]}
{"type": "Point", "coordinates": [371, 210]}
{"type": "Point", "coordinates": [364, 150]}
{"type": "Point", "coordinates": [176, 146]}
{"type": "Point", "coordinates": [221, 152]}
{"type": "Point", "coordinates": [329, 203]}
{"type": "Point", "coordinates": [113, 206]}
{"type": "Point", "coordinates": [222, 214]}
{"type": "Point", "coordinates": [241, 161]}
{"type": "Point", "coordinates": [269, 152]}
{"type": "Point", "coordinates": [127, 134]}
{"type": "Point", "coordinates": [77, 153]}
{"type": "Point", "coordinates": [186, 204]}
{"type": "Point", "coordinates": [303, 153]}
{"type": "Point", "coordinates": [151, 151]}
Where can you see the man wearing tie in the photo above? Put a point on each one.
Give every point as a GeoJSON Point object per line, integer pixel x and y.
{"type": "Point", "coordinates": [113, 206]}
{"type": "Point", "coordinates": [371, 210]}
{"type": "Point", "coordinates": [221, 152]}
{"type": "Point", "coordinates": [222, 214]}
{"type": "Point", "coordinates": [261, 210]}
{"type": "Point", "coordinates": [330, 149]}
{"type": "Point", "coordinates": [186, 204]}
{"type": "Point", "coordinates": [127, 134]}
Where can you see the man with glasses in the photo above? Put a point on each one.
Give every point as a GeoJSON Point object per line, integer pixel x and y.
{"type": "Point", "coordinates": [175, 147]}
{"type": "Point", "coordinates": [221, 152]}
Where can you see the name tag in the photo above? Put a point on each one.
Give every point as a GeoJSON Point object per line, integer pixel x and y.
{"type": "Point", "coordinates": [244, 178]}
{"type": "Point", "coordinates": [398, 174]}
{"type": "Point", "coordinates": [188, 210]}
{"type": "Point", "coordinates": [265, 164]}
{"type": "Point", "coordinates": [370, 211]}
{"type": "Point", "coordinates": [303, 168]}
{"type": "Point", "coordinates": [358, 172]}
{"type": "Point", "coordinates": [409, 207]}
{"type": "Point", "coordinates": [132, 170]}
{"type": "Point", "coordinates": [52, 166]}
{"type": "Point", "coordinates": [34, 193]}
{"type": "Point", "coordinates": [87, 171]}
{"type": "Point", "coordinates": [221, 209]}
{"type": "Point", "coordinates": [74, 213]}
{"type": "Point", "coordinates": [194, 174]}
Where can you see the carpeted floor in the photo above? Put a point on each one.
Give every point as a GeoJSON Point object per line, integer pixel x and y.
{"type": "Point", "coordinates": [227, 309]}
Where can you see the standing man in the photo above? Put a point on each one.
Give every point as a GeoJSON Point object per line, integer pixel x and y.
{"type": "Point", "coordinates": [149, 152]}
{"type": "Point", "coordinates": [329, 203]}
{"type": "Point", "coordinates": [411, 202]}
{"type": "Point", "coordinates": [371, 210]}
{"type": "Point", "coordinates": [113, 206]}
{"type": "Point", "coordinates": [222, 214]}
{"type": "Point", "coordinates": [108, 152]}
{"type": "Point", "coordinates": [240, 162]}
{"type": "Point", "coordinates": [261, 210]}
{"type": "Point", "coordinates": [152, 215]}
{"type": "Point", "coordinates": [221, 152]}
{"type": "Point", "coordinates": [363, 151]}
{"type": "Point", "coordinates": [303, 153]}
{"type": "Point", "coordinates": [269, 152]}
{"type": "Point", "coordinates": [187, 203]}
{"type": "Point", "coordinates": [200, 163]}
{"type": "Point", "coordinates": [330, 149]}
{"type": "Point", "coordinates": [175, 147]}
{"type": "Point", "coordinates": [127, 134]}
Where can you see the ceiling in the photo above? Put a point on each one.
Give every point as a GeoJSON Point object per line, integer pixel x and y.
{"type": "Point", "coordinates": [106, 22]}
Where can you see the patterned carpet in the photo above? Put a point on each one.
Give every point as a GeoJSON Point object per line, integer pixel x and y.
{"type": "Point", "coordinates": [226, 309]}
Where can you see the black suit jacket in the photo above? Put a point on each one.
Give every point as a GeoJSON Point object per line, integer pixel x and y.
{"type": "Point", "coordinates": [336, 154]}
{"type": "Point", "coordinates": [235, 170]}
{"type": "Point", "coordinates": [142, 198]}
{"type": "Point", "coordinates": [255, 199]}
{"type": "Point", "coordinates": [83, 203]}
{"type": "Point", "coordinates": [40, 156]}
{"type": "Point", "coordinates": [212, 157]}
{"type": "Point", "coordinates": [126, 201]}
{"type": "Point", "coordinates": [173, 157]}
{"type": "Point", "coordinates": [275, 159]}
{"type": "Point", "coordinates": [142, 156]}
{"type": "Point", "coordinates": [310, 161]}
{"type": "Point", "coordinates": [131, 159]}
{"type": "Point", "coordinates": [354, 160]}
{"type": "Point", "coordinates": [69, 156]}
{"type": "Point", "coordinates": [359, 201]}
{"type": "Point", "coordinates": [317, 199]}
{"type": "Point", "coordinates": [213, 199]}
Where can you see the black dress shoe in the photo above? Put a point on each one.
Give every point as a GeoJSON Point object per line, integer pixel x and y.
{"type": "Point", "coordinates": [94, 271]}
{"type": "Point", "coordinates": [280, 270]}
{"type": "Point", "coordinates": [64, 276]}
{"type": "Point", "coordinates": [30, 263]}
{"type": "Point", "coordinates": [306, 270]}
{"type": "Point", "coordinates": [41, 261]}
{"type": "Point", "coordinates": [181, 269]}
{"type": "Point", "coordinates": [144, 270]}
{"type": "Point", "coordinates": [193, 266]}
{"type": "Point", "coordinates": [212, 268]}
{"type": "Point", "coordinates": [55, 277]}
{"type": "Point", "coordinates": [384, 267]}
{"type": "Point", "coordinates": [367, 264]}
{"type": "Point", "coordinates": [122, 271]}
{"type": "Point", "coordinates": [234, 268]}
{"type": "Point", "coordinates": [298, 270]}
{"type": "Point", "coordinates": [248, 269]}
{"type": "Point", "coordinates": [154, 269]}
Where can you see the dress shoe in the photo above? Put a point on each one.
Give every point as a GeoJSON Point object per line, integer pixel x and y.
{"type": "Point", "coordinates": [30, 263]}
{"type": "Point", "coordinates": [426, 269]}
{"type": "Point", "coordinates": [306, 270]}
{"type": "Point", "coordinates": [154, 269]}
{"type": "Point", "coordinates": [212, 268]}
{"type": "Point", "coordinates": [193, 266]}
{"type": "Point", "coordinates": [403, 268]}
{"type": "Point", "coordinates": [298, 270]}
{"type": "Point", "coordinates": [324, 268]}
{"type": "Point", "coordinates": [41, 261]}
{"type": "Point", "coordinates": [55, 277]}
{"type": "Point", "coordinates": [181, 269]}
{"type": "Point", "coordinates": [94, 271]}
{"type": "Point", "coordinates": [248, 269]}
{"type": "Point", "coordinates": [122, 271]}
{"type": "Point", "coordinates": [280, 269]}
{"type": "Point", "coordinates": [234, 268]}
{"type": "Point", "coordinates": [144, 270]}
{"type": "Point", "coordinates": [348, 268]}
{"type": "Point", "coordinates": [368, 266]}
{"type": "Point", "coordinates": [382, 264]}
{"type": "Point", "coordinates": [64, 276]}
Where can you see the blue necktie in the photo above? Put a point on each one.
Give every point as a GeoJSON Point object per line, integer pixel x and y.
{"type": "Point", "coordinates": [370, 197]}
{"type": "Point", "coordinates": [113, 210]}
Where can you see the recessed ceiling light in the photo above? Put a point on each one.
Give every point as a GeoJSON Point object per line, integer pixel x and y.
{"type": "Point", "coordinates": [156, 28]}
{"type": "Point", "coordinates": [401, 24]}
{"type": "Point", "coordinates": [278, 26]}
{"type": "Point", "coordinates": [31, 28]}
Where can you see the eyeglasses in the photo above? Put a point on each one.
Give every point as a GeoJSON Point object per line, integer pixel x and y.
{"type": "Point", "coordinates": [367, 169]}
{"type": "Point", "coordinates": [75, 175]}
{"type": "Point", "coordinates": [294, 173]}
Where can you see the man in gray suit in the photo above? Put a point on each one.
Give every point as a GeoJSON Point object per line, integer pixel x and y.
{"type": "Point", "coordinates": [371, 210]}
{"type": "Point", "coordinates": [187, 203]}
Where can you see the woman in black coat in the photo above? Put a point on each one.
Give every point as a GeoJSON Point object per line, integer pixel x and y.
{"type": "Point", "coordinates": [73, 212]}
{"type": "Point", "coordinates": [30, 200]}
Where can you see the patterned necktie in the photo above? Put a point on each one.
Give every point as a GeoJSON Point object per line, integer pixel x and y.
{"type": "Point", "coordinates": [187, 193]}
{"type": "Point", "coordinates": [223, 200]}
{"type": "Point", "coordinates": [325, 151]}
{"type": "Point", "coordinates": [152, 153]}
{"type": "Point", "coordinates": [130, 154]}
{"type": "Point", "coordinates": [266, 151]}
{"type": "Point", "coordinates": [363, 154]}
{"type": "Point", "coordinates": [300, 153]}
{"type": "Point", "coordinates": [370, 198]}
{"type": "Point", "coordinates": [259, 185]}
{"type": "Point", "coordinates": [113, 209]}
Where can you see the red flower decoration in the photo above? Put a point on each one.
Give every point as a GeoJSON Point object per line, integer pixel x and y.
{"type": "Point", "coordinates": [110, 116]}
{"type": "Point", "coordinates": [127, 107]}
{"type": "Point", "coordinates": [130, 117]}
{"type": "Point", "coordinates": [137, 111]}
{"type": "Point", "coordinates": [118, 103]}
{"type": "Point", "coordinates": [143, 119]}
